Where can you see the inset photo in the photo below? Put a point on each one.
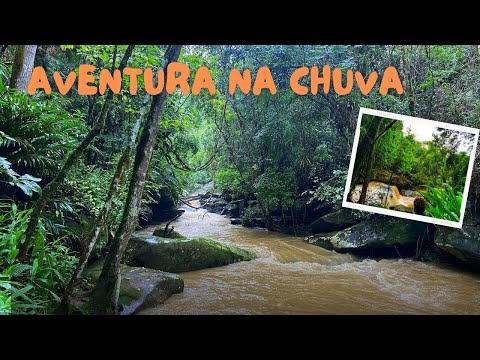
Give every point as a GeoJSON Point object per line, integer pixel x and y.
{"type": "Point", "coordinates": [410, 167]}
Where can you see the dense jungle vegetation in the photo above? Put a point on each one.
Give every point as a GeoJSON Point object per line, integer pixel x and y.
{"type": "Point", "coordinates": [77, 172]}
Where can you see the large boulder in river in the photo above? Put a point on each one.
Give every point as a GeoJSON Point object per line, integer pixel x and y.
{"type": "Point", "coordinates": [462, 243]}
{"type": "Point", "coordinates": [140, 288]}
{"type": "Point", "coordinates": [180, 255]}
{"type": "Point", "coordinates": [380, 236]}
{"type": "Point", "coordinates": [334, 221]}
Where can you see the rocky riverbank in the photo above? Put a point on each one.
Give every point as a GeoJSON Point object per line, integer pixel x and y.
{"type": "Point", "coordinates": [150, 266]}
{"type": "Point", "coordinates": [362, 233]}
{"type": "Point", "coordinates": [246, 211]}
{"type": "Point", "coordinates": [382, 236]}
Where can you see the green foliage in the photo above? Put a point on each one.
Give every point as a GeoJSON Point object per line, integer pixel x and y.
{"type": "Point", "coordinates": [4, 72]}
{"type": "Point", "coordinates": [331, 190]}
{"type": "Point", "coordinates": [401, 154]}
{"type": "Point", "coordinates": [284, 149]}
{"type": "Point", "coordinates": [26, 182]}
{"type": "Point", "coordinates": [276, 190]}
{"type": "Point", "coordinates": [249, 215]}
{"type": "Point", "coordinates": [443, 203]}
{"type": "Point", "coordinates": [229, 179]}
{"type": "Point", "coordinates": [36, 134]}
{"type": "Point", "coordinates": [31, 287]}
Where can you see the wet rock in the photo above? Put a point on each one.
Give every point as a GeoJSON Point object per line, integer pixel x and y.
{"type": "Point", "coordinates": [387, 235]}
{"type": "Point", "coordinates": [252, 216]}
{"type": "Point", "coordinates": [163, 208]}
{"type": "Point", "coordinates": [394, 179]}
{"type": "Point", "coordinates": [172, 235]}
{"type": "Point", "coordinates": [140, 288]}
{"type": "Point", "coordinates": [236, 221]}
{"type": "Point", "coordinates": [254, 222]}
{"type": "Point", "coordinates": [463, 243]}
{"type": "Point", "coordinates": [160, 214]}
{"type": "Point", "coordinates": [215, 205]}
{"type": "Point", "coordinates": [180, 255]}
{"type": "Point", "coordinates": [381, 194]}
{"type": "Point", "coordinates": [232, 210]}
{"type": "Point", "coordinates": [410, 193]}
{"type": "Point", "coordinates": [337, 220]}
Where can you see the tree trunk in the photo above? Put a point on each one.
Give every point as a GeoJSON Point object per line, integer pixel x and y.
{"type": "Point", "coordinates": [72, 159]}
{"type": "Point", "coordinates": [22, 66]}
{"type": "Point", "coordinates": [105, 294]}
{"type": "Point", "coordinates": [372, 137]}
{"type": "Point", "coordinates": [100, 223]}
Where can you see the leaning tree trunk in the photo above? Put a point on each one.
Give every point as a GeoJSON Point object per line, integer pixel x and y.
{"type": "Point", "coordinates": [72, 159]}
{"type": "Point", "coordinates": [372, 137]}
{"type": "Point", "coordinates": [101, 220]}
{"type": "Point", "coordinates": [22, 66]}
{"type": "Point", "coordinates": [105, 295]}
{"type": "Point", "coordinates": [99, 226]}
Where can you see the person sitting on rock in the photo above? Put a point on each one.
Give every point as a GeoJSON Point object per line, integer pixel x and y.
{"type": "Point", "coordinates": [419, 206]}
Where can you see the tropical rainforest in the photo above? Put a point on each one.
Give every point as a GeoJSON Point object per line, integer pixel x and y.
{"type": "Point", "coordinates": [79, 175]}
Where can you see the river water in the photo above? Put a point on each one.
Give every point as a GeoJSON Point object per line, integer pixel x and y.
{"type": "Point", "coordinates": [292, 277]}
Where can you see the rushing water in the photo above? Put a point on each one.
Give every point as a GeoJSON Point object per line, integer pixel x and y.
{"type": "Point", "coordinates": [292, 277]}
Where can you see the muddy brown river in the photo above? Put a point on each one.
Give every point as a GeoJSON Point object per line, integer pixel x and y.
{"type": "Point", "coordinates": [292, 277]}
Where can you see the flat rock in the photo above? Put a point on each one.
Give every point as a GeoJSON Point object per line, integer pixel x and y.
{"type": "Point", "coordinates": [140, 288]}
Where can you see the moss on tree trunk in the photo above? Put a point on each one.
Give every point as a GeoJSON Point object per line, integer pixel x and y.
{"type": "Point", "coordinates": [105, 299]}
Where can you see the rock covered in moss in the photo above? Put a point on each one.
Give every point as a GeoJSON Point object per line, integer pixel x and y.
{"type": "Point", "coordinates": [180, 255]}
{"type": "Point", "coordinates": [140, 288]}
{"type": "Point", "coordinates": [378, 233]}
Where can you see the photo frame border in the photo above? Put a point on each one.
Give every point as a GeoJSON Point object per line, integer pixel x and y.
{"type": "Point", "coordinates": [399, 214]}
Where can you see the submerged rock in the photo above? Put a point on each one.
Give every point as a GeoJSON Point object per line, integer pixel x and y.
{"type": "Point", "coordinates": [180, 255]}
{"type": "Point", "coordinates": [462, 243]}
{"type": "Point", "coordinates": [140, 288]}
{"type": "Point", "coordinates": [378, 234]}
{"type": "Point", "coordinates": [236, 221]}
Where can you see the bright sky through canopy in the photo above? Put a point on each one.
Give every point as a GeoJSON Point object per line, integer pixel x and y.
{"type": "Point", "coordinates": [423, 131]}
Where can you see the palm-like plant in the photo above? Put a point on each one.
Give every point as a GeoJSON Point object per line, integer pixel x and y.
{"type": "Point", "coordinates": [443, 204]}
{"type": "Point", "coordinates": [35, 134]}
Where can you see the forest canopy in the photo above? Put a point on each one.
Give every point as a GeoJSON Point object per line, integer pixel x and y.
{"type": "Point", "coordinates": [443, 159]}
